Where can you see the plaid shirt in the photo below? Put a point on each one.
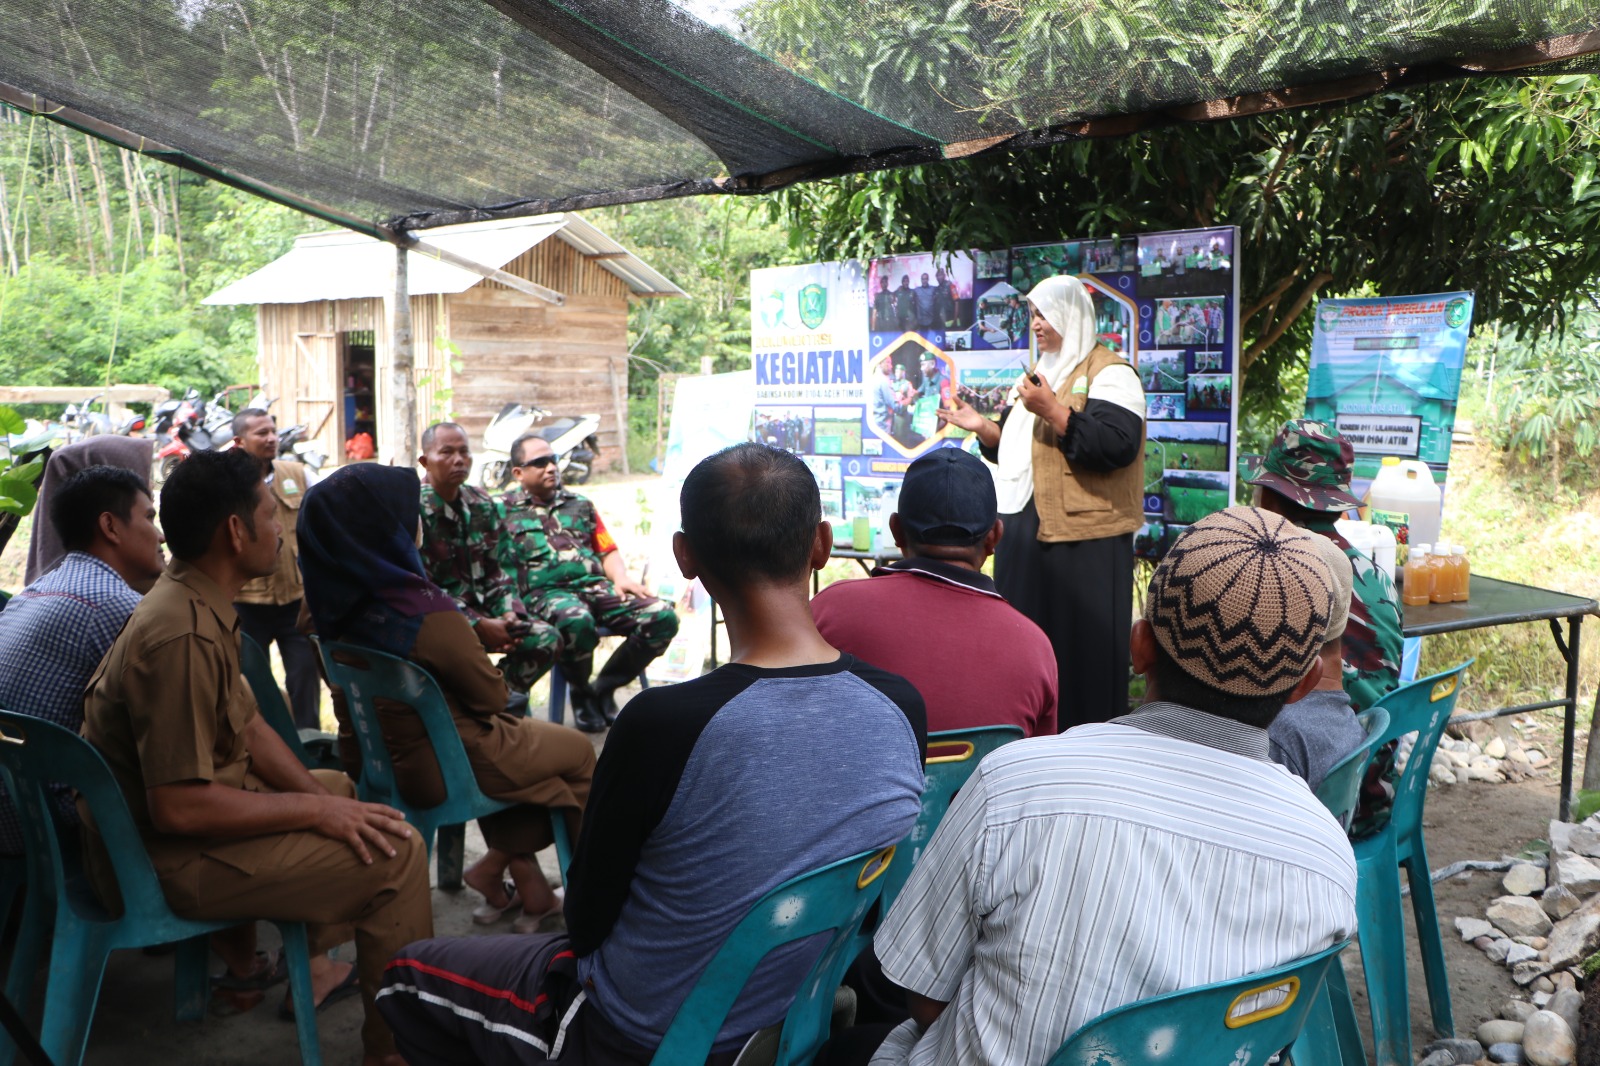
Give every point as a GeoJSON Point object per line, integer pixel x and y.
{"type": "Point", "coordinates": [52, 636]}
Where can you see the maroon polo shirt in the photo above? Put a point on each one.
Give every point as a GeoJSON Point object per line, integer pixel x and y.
{"type": "Point", "coordinates": [975, 659]}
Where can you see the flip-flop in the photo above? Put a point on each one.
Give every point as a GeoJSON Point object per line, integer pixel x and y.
{"type": "Point", "coordinates": [529, 923]}
{"type": "Point", "coordinates": [350, 986]}
{"type": "Point", "coordinates": [270, 970]}
{"type": "Point", "coordinates": [487, 913]}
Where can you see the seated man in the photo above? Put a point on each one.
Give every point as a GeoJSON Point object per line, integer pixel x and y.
{"type": "Point", "coordinates": [708, 795]}
{"type": "Point", "coordinates": [1155, 852]}
{"type": "Point", "coordinates": [269, 607]}
{"type": "Point", "coordinates": [55, 632]}
{"type": "Point", "coordinates": [975, 659]}
{"type": "Point", "coordinates": [1305, 477]}
{"type": "Point", "coordinates": [461, 530]}
{"type": "Point", "coordinates": [571, 575]}
{"type": "Point", "coordinates": [235, 827]}
{"type": "Point", "coordinates": [1311, 735]}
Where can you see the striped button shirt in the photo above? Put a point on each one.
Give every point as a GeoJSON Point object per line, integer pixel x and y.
{"type": "Point", "coordinates": [1113, 863]}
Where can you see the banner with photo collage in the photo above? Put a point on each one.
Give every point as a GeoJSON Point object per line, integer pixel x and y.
{"type": "Point", "coordinates": [854, 359]}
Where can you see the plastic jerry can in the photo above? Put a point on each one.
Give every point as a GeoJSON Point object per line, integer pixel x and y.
{"type": "Point", "coordinates": [1406, 487]}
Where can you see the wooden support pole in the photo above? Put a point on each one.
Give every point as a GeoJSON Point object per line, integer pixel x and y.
{"type": "Point", "coordinates": [619, 407]}
{"type": "Point", "coordinates": [398, 423]}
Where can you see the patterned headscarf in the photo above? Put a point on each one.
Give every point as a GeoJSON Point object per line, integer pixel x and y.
{"type": "Point", "coordinates": [358, 556]}
{"type": "Point", "coordinates": [1241, 602]}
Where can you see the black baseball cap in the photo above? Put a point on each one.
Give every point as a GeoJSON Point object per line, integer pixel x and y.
{"type": "Point", "coordinates": [947, 497]}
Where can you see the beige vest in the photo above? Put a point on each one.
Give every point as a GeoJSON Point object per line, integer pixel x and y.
{"type": "Point", "coordinates": [1083, 504]}
{"type": "Point", "coordinates": [283, 585]}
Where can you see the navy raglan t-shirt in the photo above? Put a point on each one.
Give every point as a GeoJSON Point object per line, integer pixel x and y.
{"type": "Point", "coordinates": [713, 792]}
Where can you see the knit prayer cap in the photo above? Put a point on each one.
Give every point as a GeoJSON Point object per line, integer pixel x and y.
{"type": "Point", "coordinates": [1241, 602]}
{"type": "Point", "coordinates": [1344, 580]}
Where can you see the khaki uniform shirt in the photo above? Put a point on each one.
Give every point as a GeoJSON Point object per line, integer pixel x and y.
{"type": "Point", "coordinates": [288, 488]}
{"type": "Point", "coordinates": [168, 705]}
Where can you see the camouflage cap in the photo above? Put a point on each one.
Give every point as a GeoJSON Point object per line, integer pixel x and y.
{"type": "Point", "coordinates": [1309, 463]}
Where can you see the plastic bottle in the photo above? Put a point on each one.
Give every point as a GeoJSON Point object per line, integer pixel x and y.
{"type": "Point", "coordinates": [1406, 487]}
{"type": "Point", "coordinates": [1418, 587]}
{"type": "Point", "coordinates": [1444, 575]}
{"type": "Point", "coordinates": [1384, 549]}
{"type": "Point", "coordinates": [1463, 572]}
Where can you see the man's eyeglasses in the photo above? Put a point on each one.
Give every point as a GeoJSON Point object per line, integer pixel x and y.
{"type": "Point", "coordinates": [539, 461]}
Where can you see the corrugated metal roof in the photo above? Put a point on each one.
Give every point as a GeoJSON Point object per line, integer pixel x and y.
{"type": "Point", "coordinates": [342, 265]}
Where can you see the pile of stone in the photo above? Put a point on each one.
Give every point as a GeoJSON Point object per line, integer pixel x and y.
{"type": "Point", "coordinates": [1546, 924]}
{"type": "Point", "coordinates": [1480, 754]}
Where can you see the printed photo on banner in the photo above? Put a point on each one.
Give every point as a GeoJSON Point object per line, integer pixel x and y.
{"type": "Point", "coordinates": [1161, 370]}
{"type": "Point", "coordinates": [833, 505]}
{"type": "Point", "coordinates": [1186, 263]}
{"type": "Point", "coordinates": [1148, 540]}
{"type": "Point", "coordinates": [1031, 264]}
{"type": "Point", "coordinates": [1193, 494]}
{"type": "Point", "coordinates": [872, 498]}
{"type": "Point", "coordinates": [837, 430]}
{"type": "Point", "coordinates": [909, 382]}
{"type": "Point", "coordinates": [1174, 532]}
{"type": "Point", "coordinates": [1210, 392]}
{"type": "Point", "coordinates": [1191, 322]}
{"type": "Point", "coordinates": [1165, 405]}
{"type": "Point", "coordinates": [1002, 319]}
{"type": "Point", "coordinates": [921, 292]}
{"type": "Point", "coordinates": [1114, 317]}
{"type": "Point", "coordinates": [825, 469]}
{"type": "Point", "coordinates": [789, 428]}
{"type": "Point", "coordinates": [1187, 445]}
{"type": "Point", "coordinates": [992, 264]}
{"type": "Point", "coordinates": [815, 298]}
{"type": "Point", "coordinates": [985, 379]}
{"type": "Point", "coordinates": [1209, 362]}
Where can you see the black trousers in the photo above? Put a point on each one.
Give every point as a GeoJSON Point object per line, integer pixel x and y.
{"type": "Point", "coordinates": [268, 622]}
{"type": "Point", "coordinates": [1081, 594]}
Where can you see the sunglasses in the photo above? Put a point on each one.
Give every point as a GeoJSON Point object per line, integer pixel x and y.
{"type": "Point", "coordinates": [540, 463]}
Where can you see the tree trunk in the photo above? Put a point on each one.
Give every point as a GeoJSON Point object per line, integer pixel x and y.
{"type": "Point", "coordinates": [7, 234]}
{"type": "Point", "coordinates": [80, 209]}
{"type": "Point", "coordinates": [130, 184]}
{"type": "Point", "coordinates": [399, 421]}
{"type": "Point", "coordinates": [102, 192]}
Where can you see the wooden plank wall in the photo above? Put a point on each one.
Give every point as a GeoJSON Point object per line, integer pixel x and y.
{"type": "Point", "coordinates": [517, 347]}
{"type": "Point", "coordinates": [511, 347]}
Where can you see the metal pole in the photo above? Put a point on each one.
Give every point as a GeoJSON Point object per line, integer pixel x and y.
{"type": "Point", "coordinates": [399, 425]}
{"type": "Point", "coordinates": [1570, 720]}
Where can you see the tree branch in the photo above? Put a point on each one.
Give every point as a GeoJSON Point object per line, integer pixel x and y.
{"type": "Point", "coordinates": [1281, 326]}
{"type": "Point", "coordinates": [1270, 297]}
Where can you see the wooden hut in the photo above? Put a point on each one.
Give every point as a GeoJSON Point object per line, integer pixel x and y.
{"type": "Point", "coordinates": [323, 346]}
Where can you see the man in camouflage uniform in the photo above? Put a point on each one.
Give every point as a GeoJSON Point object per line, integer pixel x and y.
{"type": "Point", "coordinates": [570, 574]}
{"type": "Point", "coordinates": [461, 531]}
{"type": "Point", "coordinates": [1305, 477]}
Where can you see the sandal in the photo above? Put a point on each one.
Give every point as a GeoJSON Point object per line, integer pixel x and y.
{"type": "Point", "coordinates": [270, 970]}
{"type": "Point", "coordinates": [350, 986]}
{"type": "Point", "coordinates": [529, 923]}
{"type": "Point", "coordinates": [487, 913]}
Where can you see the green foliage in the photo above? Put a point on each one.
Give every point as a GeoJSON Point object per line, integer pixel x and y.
{"type": "Point", "coordinates": [17, 481]}
{"type": "Point", "coordinates": [1546, 403]}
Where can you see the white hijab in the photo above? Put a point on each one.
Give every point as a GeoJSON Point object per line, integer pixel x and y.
{"type": "Point", "coordinates": [1065, 304]}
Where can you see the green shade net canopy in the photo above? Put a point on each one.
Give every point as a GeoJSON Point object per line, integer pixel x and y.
{"type": "Point", "coordinates": [384, 116]}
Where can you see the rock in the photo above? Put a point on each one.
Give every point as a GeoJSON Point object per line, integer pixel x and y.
{"type": "Point", "coordinates": [1560, 836]}
{"type": "Point", "coordinates": [1459, 1050]}
{"type": "Point", "coordinates": [1567, 1002]}
{"type": "Point", "coordinates": [1463, 775]}
{"type": "Point", "coordinates": [1456, 758]}
{"type": "Point", "coordinates": [1577, 873]}
{"type": "Point", "coordinates": [1544, 985]}
{"type": "Point", "coordinates": [1507, 1052]}
{"type": "Point", "coordinates": [1548, 1040]}
{"type": "Point", "coordinates": [1566, 979]}
{"type": "Point", "coordinates": [1473, 749]}
{"type": "Point", "coordinates": [1574, 938]}
{"type": "Point", "coordinates": [1473, 928]}
{"type": "Point", "coordinates": [1523, 879]}
{"type": "Point", "coordinates": [1540, 999]}
{"type": "Point", "coordinates": [1537, 943]}
{"type": "Point", "coordinates": [1439, 1058]}
{"type": "Point", "coordinates": [1585, 841]}
{"type": "Point", "coordinates": [1442, 775]}
{"type": "Point", "coordinates": [1517, 1010]}
{"type": "Point", "coordinates": [1526, 973]}
{"type": "Point", "coordinates": [1520, 953]}
{"type": "Point", "coordinates": [1558, 901]}
{"type": "Point", "coordinates": [1499, 1031]}
{"type": "Point", "coordinates": [1518, 756]}
{"type": "Point", "coordinates": [1534, 754]}
{"type": "Point", "coordinates": [1495, 749]}
{"type": "Point", "coordinates": [1521, 916]}
{"type": "Point", "coordinates": [1483, 943]}
{"type": "Point", "coordinates": [1485, 769]}
{"type": "Point", "coordinates": [1497, 950]}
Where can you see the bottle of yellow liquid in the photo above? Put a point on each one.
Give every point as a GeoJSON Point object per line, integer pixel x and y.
{"type": "Point", "coordinates": [1458, 555]}
{"type": "Point", "coordinates": [1418, 588]}
{"type": "Point", "coordinates": [1444, 575]}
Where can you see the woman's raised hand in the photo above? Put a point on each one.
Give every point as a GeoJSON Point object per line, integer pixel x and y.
{"type": "Point", "coordinates": [961, 416]}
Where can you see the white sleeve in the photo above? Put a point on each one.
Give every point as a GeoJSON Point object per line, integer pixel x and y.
{"type": "Point", "coordinates": [1119, 384]}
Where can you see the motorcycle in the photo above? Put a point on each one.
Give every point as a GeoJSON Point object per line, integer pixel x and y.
{"type": "Point", "coordinates": [292, 444]}
{"type": "Point", "coordinates": [80, 421]}
{"type": "Point", "coordinates": [190, 427]}
{"type": "Point", "coordinates": [574, 439]}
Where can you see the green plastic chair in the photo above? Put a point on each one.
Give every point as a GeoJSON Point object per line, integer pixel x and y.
{"type": "Point", "coordinates": [33, 753]}
{"type": "Point", "coordinates": [1340, 790]}
{"type": "Point", "coordinates": [257, 670]}
{"type": "Point", "coordinates": [1422, 707]}
{"type": "Point", "coordinates": [834, 899]}
{"type": "Point", "coordinates": [950, 758]}
{"type": "Point", "coordinates": [366, 676]}
{"type": "Point", "coordinates": [1247, 1020]}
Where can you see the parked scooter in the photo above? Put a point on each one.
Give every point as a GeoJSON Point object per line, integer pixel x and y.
{"type": "Point", "coordinates": [187, 431]}
{"type": "Point", "coordinates": [292, 444]}
{"type": "Point", "coordinates": [80, 420]}
{"type": "Point", "coordinates": [573, 438]}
